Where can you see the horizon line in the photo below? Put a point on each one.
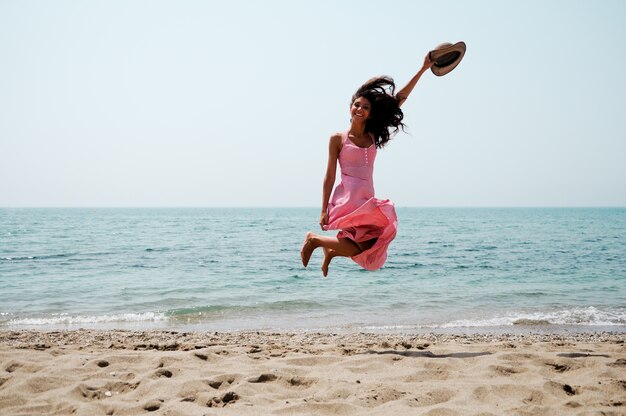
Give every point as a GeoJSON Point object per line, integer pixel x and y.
{"type": "Point", "coordinates": [304, 207]}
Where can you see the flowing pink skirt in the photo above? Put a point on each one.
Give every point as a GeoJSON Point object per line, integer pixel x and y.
{"type": "Point", "coordinates": [374, 219]}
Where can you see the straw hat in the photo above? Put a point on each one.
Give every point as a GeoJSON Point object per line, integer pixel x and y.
{"type": "Point", "coordinates": [446, 57]}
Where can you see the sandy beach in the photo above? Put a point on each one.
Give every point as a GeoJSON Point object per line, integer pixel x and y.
{"type": "Point", "coordinates": [88, 372]}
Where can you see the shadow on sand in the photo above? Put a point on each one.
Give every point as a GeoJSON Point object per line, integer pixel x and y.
{"type": "Point", "coordinates": [581, 355]}
{"type": "Point", "coordinates": [428, 354]}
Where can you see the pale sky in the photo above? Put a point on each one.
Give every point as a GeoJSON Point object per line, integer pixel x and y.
{"type": "Point", "coordinates": [231, 103]}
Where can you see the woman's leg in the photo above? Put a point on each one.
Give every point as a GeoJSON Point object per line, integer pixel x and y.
{"type": "Point", "coordinates": [329, 253]}
{"type": "Point", "coordinates": [333, 247]}
{"type": "Point", "coordinates": [328, 256]}
{"type": "Point", "coordinates": [342, 246]}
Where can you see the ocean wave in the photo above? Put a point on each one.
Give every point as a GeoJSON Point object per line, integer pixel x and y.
{"type": "Point", "coordinates": [43, 257]}
{"type": "Point", "coordinates": [575, 316]}
{"type": "Point", "coordinates": [66, 319]}
{"type": "Point", "coordinates": [585, 317]}
{"type": "Point", "coordinates": [222, 310]}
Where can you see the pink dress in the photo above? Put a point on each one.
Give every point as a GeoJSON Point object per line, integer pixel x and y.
{"type": "Point", "coordinates": [355, 211]}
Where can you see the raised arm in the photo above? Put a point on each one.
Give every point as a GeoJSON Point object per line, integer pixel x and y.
{"type": "Point", "coordinates": [404, 93]}
{"type": "Point", "coordinates": [334, 146]}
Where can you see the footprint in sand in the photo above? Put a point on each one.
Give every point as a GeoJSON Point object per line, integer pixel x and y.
{"type": "Point", "coordinates": [510, 394]}
{"type": "Point", "coordinates": [162, 372]}
{"type": "Point", "coordinates": [559, 368]}
{"type": "Point", "coordinates": [223, 381]}
{"type": "Point", "coordinates": [225, 399]}
{"type": "Point", "coordinates": [216, 384]}
{"type": "Point", "coordinates": [12, 367]}
{"type": "Point", "coordinates": [559, 389]}
{"type": "Point", "coordinates": [381, 395]}
{"type": "Point", "coordinates": [431, 398]}
{"type": "Point", "coordinates": [288, 381]}
{"type": "Point", "coordinates": [420, 376]}
{"type": "Point", "coordinates": [99, 393]}
{"type": "Point", "coordinates": [505, 370]}
{"type": "Point", "coordinates": [263, 378]}
{"type": "Point", "coordinates": [200, 355]}
{"type": "Point", "coordinates": [153, 405]}
{"type": "Point", "coordinates": [300, 382]}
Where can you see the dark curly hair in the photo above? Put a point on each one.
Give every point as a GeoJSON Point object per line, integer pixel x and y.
{"type": "Point", "coordinates": [386, 116]}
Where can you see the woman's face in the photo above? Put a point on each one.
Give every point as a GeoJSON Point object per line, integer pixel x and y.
{"type": "Point", "coordinates": [360, 109]}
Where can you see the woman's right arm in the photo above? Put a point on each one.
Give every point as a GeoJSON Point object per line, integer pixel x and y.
{"type": "Point", "coordinates": [404, 93]}
{"type": "Point", "coordinates": [334, 146]}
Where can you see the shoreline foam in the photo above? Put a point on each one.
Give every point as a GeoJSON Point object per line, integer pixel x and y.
{"type": "Point", "coordinates": [577, 319]}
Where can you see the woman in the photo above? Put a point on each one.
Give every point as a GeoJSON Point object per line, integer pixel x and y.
{"type": "Point", "coordinates": [367, 225]}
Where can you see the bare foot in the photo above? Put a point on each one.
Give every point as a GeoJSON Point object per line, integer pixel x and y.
{"type": "Point", "coordinates": [328, 256]}
{"type": "Point", "coordinates": [307, 249]}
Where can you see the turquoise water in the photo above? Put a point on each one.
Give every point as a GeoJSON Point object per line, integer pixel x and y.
{"type": "Point", "coordinates": [232, 269]}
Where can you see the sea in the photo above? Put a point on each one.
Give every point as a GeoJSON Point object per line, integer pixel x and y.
{"type": "Point", "coordinates": [232, 269]}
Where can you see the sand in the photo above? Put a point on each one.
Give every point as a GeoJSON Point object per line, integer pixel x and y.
{"type": "Point", "coordinates": [87, 372]}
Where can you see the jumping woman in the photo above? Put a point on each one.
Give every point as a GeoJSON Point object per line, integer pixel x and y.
{"type": "Point", "coordinates": [366, 225]}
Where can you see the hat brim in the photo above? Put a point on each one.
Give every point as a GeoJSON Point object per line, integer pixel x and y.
{"type": "Point", "coordinates": [446, 59]}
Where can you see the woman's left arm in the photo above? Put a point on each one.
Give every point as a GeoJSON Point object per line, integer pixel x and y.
{"type": "Point", "coordinates": [404, 93]}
